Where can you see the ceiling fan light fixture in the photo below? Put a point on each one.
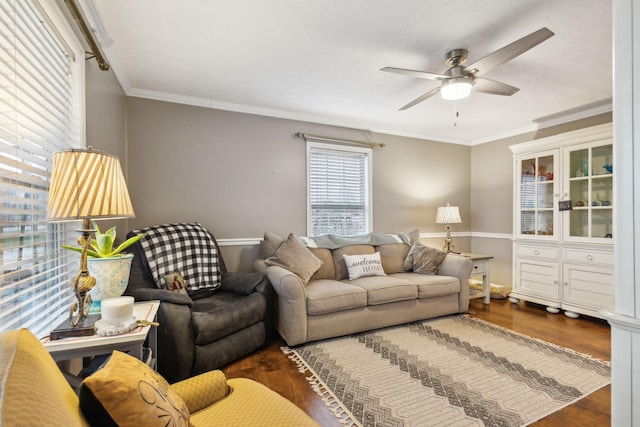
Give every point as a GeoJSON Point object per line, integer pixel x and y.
{"type": "Point", "coordinates": [454, 89]}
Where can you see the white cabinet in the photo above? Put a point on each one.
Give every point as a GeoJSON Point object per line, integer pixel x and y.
{"type": "Point", "coordinates": [563, 221]}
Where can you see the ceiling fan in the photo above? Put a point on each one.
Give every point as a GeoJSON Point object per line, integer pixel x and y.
{"type": "Point", "coordinates": [457, 81]}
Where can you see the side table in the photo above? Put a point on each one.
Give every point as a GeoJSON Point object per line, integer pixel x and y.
{"type": "Point", "coordinates": [95, 345]}
{"type": "Point", "coordinates": [481, 264]}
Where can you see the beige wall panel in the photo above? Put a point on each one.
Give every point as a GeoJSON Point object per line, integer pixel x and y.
{"type": "Point", "coordinates": [241, 175]}
{"type": "Point", "coordinates": [500, 250]}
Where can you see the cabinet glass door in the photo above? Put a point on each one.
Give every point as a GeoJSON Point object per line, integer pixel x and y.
{"type": "Point", "coordinates": [536, 193]}
{"type": "Point", "coordinates": [590, 189]}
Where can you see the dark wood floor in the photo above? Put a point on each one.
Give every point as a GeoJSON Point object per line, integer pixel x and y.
{"type": "Point", "coordinates": [591, 336]}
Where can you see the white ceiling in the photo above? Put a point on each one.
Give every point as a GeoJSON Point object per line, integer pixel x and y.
{"type": "Point", "coordinates": [319, 60]}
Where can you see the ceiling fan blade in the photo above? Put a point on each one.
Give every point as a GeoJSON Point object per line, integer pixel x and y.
{"type": "Point", "coordinates": [493, 87]}
{"type": "Point", "coordinates": [413, 73]}
{"type": "Point", "coordinates": [421, 98]}
{"type": "Point", "coordinates": [508, 52]}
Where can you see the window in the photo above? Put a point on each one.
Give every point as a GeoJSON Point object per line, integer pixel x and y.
{"type": "Point", "coordinates": [339, 189]}
{"type": "Point", "coordinates": [40, 113]}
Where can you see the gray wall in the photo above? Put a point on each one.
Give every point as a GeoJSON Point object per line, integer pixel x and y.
{"type": "Point", "coordinates": [241, 175]}
{"type": "Point", "coordinates": [105, 105]}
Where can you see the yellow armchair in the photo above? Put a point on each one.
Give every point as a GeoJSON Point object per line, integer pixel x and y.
{"type": "Point", "coordinates": [33, 391]}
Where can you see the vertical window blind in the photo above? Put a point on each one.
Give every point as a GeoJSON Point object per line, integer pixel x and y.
{"type": "Point", "coordinates": [339, 190]}
{"type": "Point", "coordinates": [40, 113]}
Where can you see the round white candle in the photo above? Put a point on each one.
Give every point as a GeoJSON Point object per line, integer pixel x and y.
{"type": "Point", "coordinates": [115, 310]}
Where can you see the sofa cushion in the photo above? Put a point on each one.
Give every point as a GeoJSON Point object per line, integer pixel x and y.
{"type": "Point", "coordinates": [363, 265]}
{"type": "Point", "coordinates": [423, 259]}
{"type": "Point", "coordinates": [385, 289]}
{"type": "Point", "coordinates": [128, 392]}
{"type": "Point", "coordinates": [392, 256]}
{"type": "Point", "coordinates": [432, 285]}
{"type": "Point", "coordinates": [326, 270]}
{"type": "Point", "coordinates": [328, 296]}
{"type": "Point", "coordinates": [295, 257]}
{"type": "Point", "coordinates": [338, 260]}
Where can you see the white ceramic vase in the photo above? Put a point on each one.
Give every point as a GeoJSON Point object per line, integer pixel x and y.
{"type": "Point", "coordinates": [112, 278]}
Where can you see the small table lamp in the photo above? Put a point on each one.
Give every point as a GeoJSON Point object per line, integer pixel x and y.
{"type": "Point", "coordinates": [448, 215]}
{"type": "Point", "coordinates": [86, 184]}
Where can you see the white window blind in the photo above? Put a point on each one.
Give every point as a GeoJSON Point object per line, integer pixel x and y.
{"type": "Point", "coordinates": [339, 189]}
{"type": "Point", "coordinates": [40, 111]}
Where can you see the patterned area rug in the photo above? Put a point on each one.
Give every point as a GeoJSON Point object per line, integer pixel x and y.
{"type": "Point", "coordinates": [450, 371]}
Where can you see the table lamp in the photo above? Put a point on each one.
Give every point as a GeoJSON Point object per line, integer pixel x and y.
{"type": "Point", "coordinates": [86, 184]}
{"type": "Point", "coordinates": [448, 215]}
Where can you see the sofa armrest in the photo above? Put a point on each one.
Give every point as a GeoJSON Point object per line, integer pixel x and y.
{"type": "Point", "coordinates": [291, 292]}
{"type": "Point", "coordinates": [202, 390]}
{"type": "Point", "coordinates": [243, 283]}
{"type": "Point", "coordinates": [458, 266]}
{"type": "Point", "coordinates": [162, 295]}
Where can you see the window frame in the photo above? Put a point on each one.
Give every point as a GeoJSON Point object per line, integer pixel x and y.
{"type": "Point", "coordinates": [368, 164]}
{"type": "Point", "coordinates": [40, 302]}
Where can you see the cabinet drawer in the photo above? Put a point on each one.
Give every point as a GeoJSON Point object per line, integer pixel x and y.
{"type": "Point", "coordinates": [479, 267]}
{"type": "Point", "coordinates": [580, 255]}
{"type": "Point", "coordinates": [537, 252]}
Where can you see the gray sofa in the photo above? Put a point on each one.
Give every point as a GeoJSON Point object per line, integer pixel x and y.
{"type": "Point", "coordinates": [330, 305]}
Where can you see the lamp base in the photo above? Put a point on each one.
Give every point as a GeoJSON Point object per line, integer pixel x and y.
{"type": "Point", "coordinates": [448, 241]}
{"type": "Point", "coordinates": [85, 328]}
{"type": "Point", "coordinates": [83, 282]}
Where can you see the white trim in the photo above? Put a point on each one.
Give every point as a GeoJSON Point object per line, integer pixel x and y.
{"type": "Point", "coordinates": [482, 235]}
{"type": "Point", "coordinates": [246, 241]}
{"type": "Point", "coordinates": [559, 119]}
{"type": "Point", "coordinates": [442, 235]}
{"type": "Point", "coordinates": [506, 134]}
{"type": "Point", "coordinates": [629, 324]}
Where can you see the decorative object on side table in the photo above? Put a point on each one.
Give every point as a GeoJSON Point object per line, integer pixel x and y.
{"type": "Point", "coordinates": [85, 184]}
{"type": "Point", "coordinates": [109, 266]}
{"type": "Point", "coordinates": [448, 215]}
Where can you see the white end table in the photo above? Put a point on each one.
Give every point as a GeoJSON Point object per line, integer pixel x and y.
{"type": "Point", "coordinates": [94, 345]}
{"type": "Point", "coordinates": [481, 264]}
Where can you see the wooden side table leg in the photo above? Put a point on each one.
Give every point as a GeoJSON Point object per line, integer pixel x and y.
{"type": "Point", "coordinates": [486, 283]}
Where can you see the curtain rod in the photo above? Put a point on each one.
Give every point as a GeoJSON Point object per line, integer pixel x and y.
{"type": "Point", "coordinates": [323, 138]}
{"type": "Point", "coordinates": [84, 29]}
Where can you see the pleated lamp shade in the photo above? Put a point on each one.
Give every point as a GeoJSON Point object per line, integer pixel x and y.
{"type": "Point", "coordinates": [87, 184]}
{"type": "Point", "coordinates": [448, 215]}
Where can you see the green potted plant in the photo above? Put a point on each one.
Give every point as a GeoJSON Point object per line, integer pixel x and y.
{"type": "Point", "coordinates": [109, 266]}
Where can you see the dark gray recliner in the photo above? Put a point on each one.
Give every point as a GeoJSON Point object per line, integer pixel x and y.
{"type": "Point", "coordinates": [209, 327]}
